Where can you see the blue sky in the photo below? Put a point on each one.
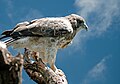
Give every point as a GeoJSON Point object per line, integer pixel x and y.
{"type": "Point", "coordinates": [93, 58]}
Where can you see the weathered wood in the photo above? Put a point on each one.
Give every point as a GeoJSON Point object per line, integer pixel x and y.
{"type": "Point", "coordinates": [10, 67]}
{"type": "Point", "coordinates": [40, 73]}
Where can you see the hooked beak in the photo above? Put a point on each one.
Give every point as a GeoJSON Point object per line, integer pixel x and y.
{"type": "Point", "coordinates": [85, 27]}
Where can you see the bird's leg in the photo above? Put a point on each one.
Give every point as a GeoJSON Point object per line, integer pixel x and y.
{"type": "Point", "coordinates": [57, 71]}
{"type": "Point", "coordinates": [53, 67]}
{"type": "Point", "coordinates": [51, 62]}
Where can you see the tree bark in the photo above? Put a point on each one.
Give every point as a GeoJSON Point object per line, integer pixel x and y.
{"type": "Point", "coordinates": [11, 68]}
{"type": "Point", "coordinates": [40, 73]}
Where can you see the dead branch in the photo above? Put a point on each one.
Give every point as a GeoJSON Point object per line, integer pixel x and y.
{"type": "Point", "coordinates": [10, 67]}
{"type": "Point", "coordinates": [40, 73]}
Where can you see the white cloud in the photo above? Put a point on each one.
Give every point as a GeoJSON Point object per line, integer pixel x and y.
{"type": "Point", "coordinates": [98, 14]}
{"type": "Point", "coordinates": [12, 12]}
{"type": "Point", "coordinates": [32, 14]}
{"type": "Point", "coordinates": [9, 9]}
{"type": "Point", "coordinates": [97, 73]}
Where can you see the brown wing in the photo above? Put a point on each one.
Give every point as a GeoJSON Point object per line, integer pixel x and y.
{"type": "Point", "coordinates": [8, 33]}
{"type": "Point", "coordinates": [46, 27]}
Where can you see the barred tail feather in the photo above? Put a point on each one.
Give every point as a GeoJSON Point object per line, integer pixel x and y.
{"type": "Point", "coordinates": [9, 41]}
{"type": "Point", "coordinates": [6, 34]}
{"type": "Point", "coordinates": [2, 37]}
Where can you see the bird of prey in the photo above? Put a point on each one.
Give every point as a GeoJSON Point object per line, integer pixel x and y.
{"type": "Point", "coordinates": [45, 35]}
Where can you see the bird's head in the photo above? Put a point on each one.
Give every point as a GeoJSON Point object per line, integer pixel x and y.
{"type": "Point", "coordinates": [77, 22]}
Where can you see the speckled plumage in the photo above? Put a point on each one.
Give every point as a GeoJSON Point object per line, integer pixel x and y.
{"type": "Point", "coordinates": [45, 35]}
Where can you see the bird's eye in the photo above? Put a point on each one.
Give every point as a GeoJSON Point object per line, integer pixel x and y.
{"type": "Point", "coordinates": [79, 23]}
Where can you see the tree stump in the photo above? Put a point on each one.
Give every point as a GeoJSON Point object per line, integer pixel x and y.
{"type": "Point", "coordinates": [39, 72]}
{"type": "Point", "coordinates": [11, 68]}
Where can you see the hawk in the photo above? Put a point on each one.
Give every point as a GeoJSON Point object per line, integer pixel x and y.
{"type": "Point", "coordinates": [45, 35]}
